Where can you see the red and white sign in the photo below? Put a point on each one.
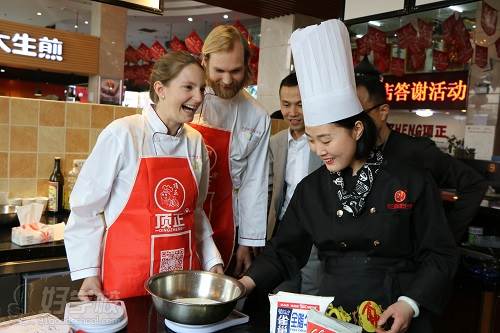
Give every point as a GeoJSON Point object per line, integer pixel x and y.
{"type": "Point", "coordinates": [170, 195]}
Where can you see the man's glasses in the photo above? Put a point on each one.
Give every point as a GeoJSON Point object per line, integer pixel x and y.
{"type": "Point", "coordinates": [373, 108]}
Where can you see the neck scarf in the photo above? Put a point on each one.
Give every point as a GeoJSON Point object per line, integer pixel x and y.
{"type": "Point", "coordinates": [353, 202]}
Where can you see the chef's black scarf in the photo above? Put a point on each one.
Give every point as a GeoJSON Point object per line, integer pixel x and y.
{"type": "Point", "coordinates": [353, 202]}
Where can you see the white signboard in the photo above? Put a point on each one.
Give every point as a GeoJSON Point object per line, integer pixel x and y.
{"type": "Point", "coordinates": [362, 8]}
{"type": "Point", "coordinates": [24, 45]}
{"type": "Point", "coordinates": [426, 2]}
{"type": "Point", "coordinates": [481, 138]}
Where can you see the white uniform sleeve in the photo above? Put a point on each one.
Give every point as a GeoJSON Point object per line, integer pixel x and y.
{"type": "Point", "coordinates": [85, 228]}
{"type": "Point", "coordinates": [210, 255]}
{"type": "Point", "coordinates": [253, 192]}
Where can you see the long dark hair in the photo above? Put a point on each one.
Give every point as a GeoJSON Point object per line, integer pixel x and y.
{"type": "Point", "coordinates": [367, 141]}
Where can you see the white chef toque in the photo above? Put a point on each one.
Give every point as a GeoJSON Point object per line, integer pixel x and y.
{"type": "Point", "coordinates": [323, 63]}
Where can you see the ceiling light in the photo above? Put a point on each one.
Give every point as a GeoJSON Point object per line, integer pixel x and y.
{"type": "Point", "coordinates": [473, 26]}
{"type": "Point", "coordinates": [38, 13]}
{"type": "Point", "coordinates": [456, 8]}
{"type": "Point", "coordinates": [464, 110]}
{"type": "Point", "coordinates": [225, 16]}
{"type": "Point", "coordinates": [375, 23]}
{"type": "Point", "coordinates": [38, 92]}
{"type": "Point", "coordinates": [190, 19]}
{"type": "Point", "coordinates": [359, 35]}
{"type": "Point", "coordinates": [2, 70]}
{"type": "Point", "coordinates": [86, 22]}
{"type": "Point", "coordinates": [76, 26]}
{"type": "Point", "coordinates": [424, 113]}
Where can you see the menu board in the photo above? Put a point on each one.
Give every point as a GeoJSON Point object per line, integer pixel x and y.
{"type": "Point", "coordinates": [152, 6]}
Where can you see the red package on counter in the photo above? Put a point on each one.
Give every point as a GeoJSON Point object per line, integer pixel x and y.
{"type": "Point", "coordinates": [377, 39]}
{"type": "Point", "coordinates": [131, 55]}
{"type": "Point", "coordinates": [440, 60]}
{"type": "Point", "coordinates": [193, 42]}
{"type": "Point", "coordinates": [488, 19]}
{"type": "Point", "coordinates": [407, 36]}
{"type": "Point", "coordinates": [363, 45]}
{"type": "Point", "coordinates": [143, 52]}
{"type": "Point", "coordinates": [398, 66]}
{"type": "Point", "coordinates": [157, 50]}
{"type": "Point", "coordinates": [497, 45]}
{"type": "Point", "coordinates": [425, 34]}
{"type": "Point", "coordinates": [481, 58]}
{"type": "Point", "coordinates": [242, 29]}
{"type": "Point", "coordinates": [177, 45]}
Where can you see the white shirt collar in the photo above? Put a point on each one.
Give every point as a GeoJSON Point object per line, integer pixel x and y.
{"type": "Point", "coordinates": [156, 123]}
{"type": "Point", "coordinates": [291, 139]}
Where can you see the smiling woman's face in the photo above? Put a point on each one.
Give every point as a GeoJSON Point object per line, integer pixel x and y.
{"type": "Point", "coordinates": [334, 144]}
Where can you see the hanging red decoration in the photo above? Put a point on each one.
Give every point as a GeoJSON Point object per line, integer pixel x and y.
{"type": "Point", "coordinates": [407, 35]}
{"type": "Point", "coordinates": [157, 50]}
{"type": "Point", "coordinates": [242, 29]}
{"type": "Point", "coordinates": [363, 45]}
{"type": "Point", "coordinates": [382, 60]}
{"type": "Point", "coordinates": [457, 40]}
{"type": "Point", "coordinates": [425, 34]}
{"type": "Point", "coordinates": [177, 45]}
{"type": "Point", "coordinates": [398, 66]}
{"type": "Point", "coordinates": [417, 60]}
{"type": "Point", "coordinates": [143, 52]}
{"type": "Point", "coordinates": [440, 60]}
{"type": "Point", "coordinates": [355, 57]}
{"type": "Point", "coordinates": [377, 39]}
{"type": "Point", "coordinates": [254, 61]}
{"type": "Point", "coordinates": [131, 55]}
{"type": "Point", "coordinates": [497, 45]}
{"type": "Point", "coordinates": [488, 19]}
{"type": "Point", "coordinates": [481, 58]}
{"type": "Point", "coordinates": [194, 43]}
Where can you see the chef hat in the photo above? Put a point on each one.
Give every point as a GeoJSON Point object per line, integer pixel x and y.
{"type": "Point", "coordinates": [323, 63]}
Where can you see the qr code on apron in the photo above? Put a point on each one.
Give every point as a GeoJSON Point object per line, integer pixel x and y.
{"type": "Point", "coordinates": [171, 260]}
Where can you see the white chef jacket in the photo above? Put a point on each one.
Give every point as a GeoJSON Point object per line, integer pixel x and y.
{"type": "Point", "coordinates": [107, 178]}
{"type": "Point", "coordinates": [250, 127]}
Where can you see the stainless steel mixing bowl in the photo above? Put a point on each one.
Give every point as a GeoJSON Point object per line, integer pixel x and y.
{"type": "Point", "coordinates": [8, 216]}
{"type": "Point", "coordinates": [166, 288]}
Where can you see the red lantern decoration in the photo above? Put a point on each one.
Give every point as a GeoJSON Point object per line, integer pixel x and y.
{"type": "Point", "coordinates": [481, 58]}
{"type": "Point", "coordinates": [194, 43]}
{"type": "Point", "coordinates": [377, 40]}
{"type": "Point", "coordinates": [143, 52]}
{"type": "Point", "coordinates": [382, 60]}
{"type": "Point", "coordinates": [398, 66]}
{"type": "Point", "coordinates": [242, 29]}
{"type": "Point", "coordinates": [425, 34]}
{"type": "Point", "coordinates": [417, 60]}
{"type": "Point", "coordinates": [440, 60]}
{"type": "Point", "coordinates": [177, 45]}
{"type": "Point", "coordinates": [407, 36]}
{"type": "Point", "coordinates": [488, 19]}
{"type": "Point", "coordinates": [131, 55]}
{"type": "Point", "coordinates": [157, 50]}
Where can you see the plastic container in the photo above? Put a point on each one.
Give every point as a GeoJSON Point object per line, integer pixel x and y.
{"type": "Point", "coordinates": [474, 233]}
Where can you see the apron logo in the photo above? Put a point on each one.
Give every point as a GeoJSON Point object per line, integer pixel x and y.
{"type": "Point", "coordinates": [212, 155]}
{"type": "Point", "coordinates": [170, 195]}
{"type": "Point", "coordinates": [399, 196]}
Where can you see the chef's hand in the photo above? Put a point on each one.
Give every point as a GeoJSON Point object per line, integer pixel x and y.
{"type": "Point", "coordinates": [91, 290]}
{"type": "Point", "coordinates": [217, 269]}
{"type": "Point", "coordinates": [402, 314]}
{"type": "Point", "coordinates": [243, 260]}
{"type": "Point", "coordinates": [248, 282]}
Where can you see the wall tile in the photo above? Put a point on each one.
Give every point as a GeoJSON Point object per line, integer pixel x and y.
{"type": "Point", "coordinates": [78, 115]}
{"type": "Point", "coordinates": [23, 138]}
{"type": "Point", "coordinates": [68, 165]}
{"type": "Point", "coordinates": [77, 140]}
{"type": "Point", "coordinates": [4, 159]}
{"type": "Point", "coordinates": [52, 113]}
{"type": "Point", "coordinates": [51, 139]}
{"type": "Point", "coordinates": [94, 134]}
{"type": "Point", "coordinates": [4, 137]}
{"type": "Point", "coordinates": [46, 164]}
{"type": "Point", "coordinates": [122, 111]}
{"type": "Point", "coordinates": [22, 165]}
{"type": "Point", "coordinates": [102, 115]}
{"type": "Point", "coordinates": [42, 187]}
{"type": "Point", "coordinates": [4, 186]}
{"type": "Point", "coordinates": [22, 188]}
{"type": "Point", "coordinates": [4, 110]}
{"type": "Point", "coordinates": [24, 111]}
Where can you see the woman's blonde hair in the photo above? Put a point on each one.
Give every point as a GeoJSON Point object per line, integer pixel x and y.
{"type": "Point", "coordinates": [222, 39]}
{"type": "Point", "coordinates": [167, 68]}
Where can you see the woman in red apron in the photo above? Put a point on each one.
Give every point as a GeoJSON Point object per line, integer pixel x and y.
{"type": "Point", "coordinates": [137, 206]}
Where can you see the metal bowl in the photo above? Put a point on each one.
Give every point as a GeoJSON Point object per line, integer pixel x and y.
{"type": "Point", "coordinates": [8, 216]}
{"type": "Point", "coordinates": [167, 288]}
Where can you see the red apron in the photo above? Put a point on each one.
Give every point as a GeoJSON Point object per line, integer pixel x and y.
{"type": "Point", "coordinates": [155, 231]}
{"type": "Point", "coordinates": [219, 203]}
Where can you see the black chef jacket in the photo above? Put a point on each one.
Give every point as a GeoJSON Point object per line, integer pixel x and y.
{"type": "Point", "coordinates": [393, 248]}
{"type": "Point", "coordinates": [447, 171]}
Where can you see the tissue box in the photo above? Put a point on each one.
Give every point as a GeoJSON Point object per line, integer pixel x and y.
{"type": "Point", "coordinates": [33, 233]}
{"type": "Point", "coordinates": [289, 311]}
{"type": "Point", "coordinates": [40, 323]}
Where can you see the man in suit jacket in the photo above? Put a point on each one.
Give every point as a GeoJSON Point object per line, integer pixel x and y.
{"type": "Point", "coordinates": [447, 171]}
{"type": "Point", "coordinates": [291, 160]}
